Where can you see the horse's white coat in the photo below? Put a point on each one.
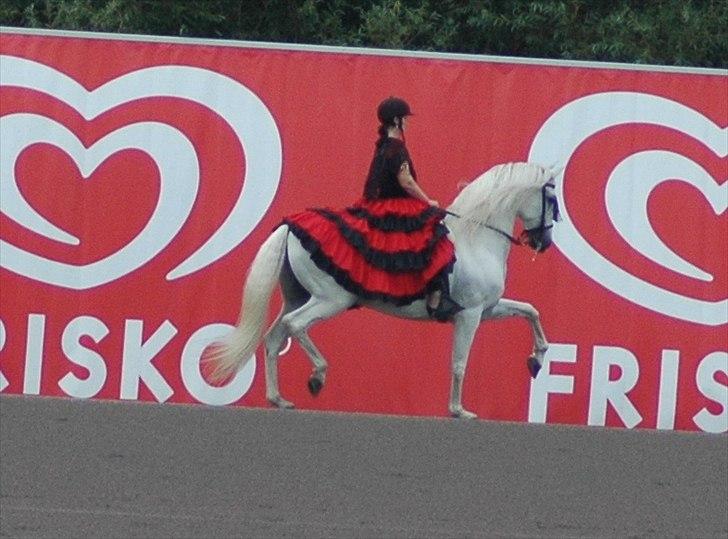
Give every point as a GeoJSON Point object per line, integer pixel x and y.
{"type": "Point", "coordinates": [497, 198]}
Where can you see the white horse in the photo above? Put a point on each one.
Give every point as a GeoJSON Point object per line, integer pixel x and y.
{"type": "Point", "coordinates": [481, 220]}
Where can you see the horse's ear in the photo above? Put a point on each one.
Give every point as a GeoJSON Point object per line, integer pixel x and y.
{"type": "Point", "coordinates": [556, 171]}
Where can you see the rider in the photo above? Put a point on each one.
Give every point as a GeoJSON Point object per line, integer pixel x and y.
{"type": "Point", "coordinates": [392, 176]}
{"type": "Point", "coordinates": [390, 245]}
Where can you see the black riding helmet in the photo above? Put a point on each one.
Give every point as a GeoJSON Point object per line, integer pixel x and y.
{"type": "Point", "coordinates": [391, 108]}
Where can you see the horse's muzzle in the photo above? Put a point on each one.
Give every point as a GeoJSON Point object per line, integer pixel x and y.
{"type": "Point", "coordinates": [539, 239]}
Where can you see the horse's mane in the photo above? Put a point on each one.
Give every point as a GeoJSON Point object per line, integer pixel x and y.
{"type": "Point", "coordinates": [498, 190]}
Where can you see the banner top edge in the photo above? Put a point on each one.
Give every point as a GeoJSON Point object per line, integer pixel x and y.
{"type": "Point", "coordinates": [364, 51]}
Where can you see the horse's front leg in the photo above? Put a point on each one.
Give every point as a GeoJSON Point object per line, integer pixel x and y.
{"type": "Point", "coordinates": [509, 307]}
{"type": "Point", "coordinates": [466, 323]}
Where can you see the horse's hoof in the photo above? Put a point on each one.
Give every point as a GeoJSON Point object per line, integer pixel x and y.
{"type": "Point", "coordinates": [462, 414]}
{"type": "Point", "coordinates": [281, 403]}
{"type": "Point", "coordinates": [315, 385]}
{"type": "Point", "coordinates": [533, 366]}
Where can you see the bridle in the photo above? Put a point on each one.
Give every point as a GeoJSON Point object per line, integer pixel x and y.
{"type": "Point", "coordinates": [546, 199]}
{"type": "Point", "coordinates": [522, 239]}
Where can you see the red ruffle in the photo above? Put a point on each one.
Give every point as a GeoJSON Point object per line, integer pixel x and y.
{"type": "Point", "coordinates": [369, 261]}
{"type": "Point", "coordinates": [406, 207]}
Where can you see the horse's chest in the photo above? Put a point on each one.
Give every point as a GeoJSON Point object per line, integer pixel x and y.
{"type": "Point", "coordinates": [479, 283]}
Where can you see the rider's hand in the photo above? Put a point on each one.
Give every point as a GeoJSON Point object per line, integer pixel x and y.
{"type": "Point", "coordinates": [434, 203]}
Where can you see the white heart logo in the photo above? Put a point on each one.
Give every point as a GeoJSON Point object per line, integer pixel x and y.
{"type": "Point", "coordinates": [173, 153]}
{"type": "Point", "coordinates": [575, 122]}
{"type": "Point", "coordinates": [627, 203]}
{"type": "Point", "coordinates": [179, 178]}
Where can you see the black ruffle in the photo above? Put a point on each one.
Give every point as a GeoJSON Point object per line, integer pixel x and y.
{"type": "Point", "coordinates": [391, 222]}
{"type": "Point", "coordinates": [342, 277]}
{"type": "Point", "coordinates": [397, 262]}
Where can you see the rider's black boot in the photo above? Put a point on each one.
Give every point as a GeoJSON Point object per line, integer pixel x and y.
{"type": "Point", "coordinates": [447, 307]}
{"type": "Point", "coordinates": [445, 310]}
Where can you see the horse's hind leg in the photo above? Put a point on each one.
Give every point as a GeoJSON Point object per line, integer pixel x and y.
{"type": "Point", "coordinates": [300, 312]}
{"type": "Point", "coordinates": [509, 307]}
{"type": "Point", "coordinates": [315, 310]}
{"type": "Point", "coordinates": [273, 344]}
{"type": "Point", "coordinates": [318, 376]}
{"type": "Point", "coordinates": [323, 297]}
{"type": "Point", "coordinates": [295, 323]}
{"type": "Point", "coordinates": [294, 297]}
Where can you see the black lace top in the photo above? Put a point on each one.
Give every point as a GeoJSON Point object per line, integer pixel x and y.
{"type": "Point", "coordinates": [382, 179]}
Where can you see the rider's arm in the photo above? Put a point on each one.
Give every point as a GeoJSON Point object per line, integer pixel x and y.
{"type": "Point", "coordinates": [408, 183]}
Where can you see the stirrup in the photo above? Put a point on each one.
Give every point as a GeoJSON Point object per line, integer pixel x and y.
{"type": "Point", "coordinates": [445, 310]}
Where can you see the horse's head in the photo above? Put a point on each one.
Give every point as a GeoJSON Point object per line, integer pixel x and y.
{"type": "Point", "coordinates": [538, 213]}
{"type": "Point", "coordinates": [494, 199]}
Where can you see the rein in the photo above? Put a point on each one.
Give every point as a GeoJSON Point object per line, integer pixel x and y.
{"type": "Point", "coordinates": [515, 241]}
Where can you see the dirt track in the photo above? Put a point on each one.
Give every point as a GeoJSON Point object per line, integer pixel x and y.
{"type": "Point", "coordinates": [99, 469]}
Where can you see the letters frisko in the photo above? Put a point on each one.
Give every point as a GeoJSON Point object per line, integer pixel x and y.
{"type": "Point", "coordinates": [173, 175]}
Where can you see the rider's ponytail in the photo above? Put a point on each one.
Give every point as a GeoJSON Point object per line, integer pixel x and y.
{"type": "Point", "coordinates": [383, 134]}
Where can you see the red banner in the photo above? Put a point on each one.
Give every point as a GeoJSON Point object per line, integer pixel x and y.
{"type": "Point", "coordinates": [139, 179]}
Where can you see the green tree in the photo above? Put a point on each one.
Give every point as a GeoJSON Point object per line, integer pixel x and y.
{"type": "Point", "coordinates": [673, 32]}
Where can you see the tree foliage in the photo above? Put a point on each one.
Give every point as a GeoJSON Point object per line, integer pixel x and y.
{"type": "Point", "coordinates": [671, 32]}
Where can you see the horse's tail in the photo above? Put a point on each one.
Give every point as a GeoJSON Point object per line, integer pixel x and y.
{"type": "Point", "coordinates": [232, 352]}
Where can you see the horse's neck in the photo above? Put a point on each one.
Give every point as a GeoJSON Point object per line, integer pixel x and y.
{"type": "Point", "coordinates": [481, 241]}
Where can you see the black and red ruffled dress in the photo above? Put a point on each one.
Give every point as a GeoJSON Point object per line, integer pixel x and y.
{"type": "Point", "coordinates": [388, 246]}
